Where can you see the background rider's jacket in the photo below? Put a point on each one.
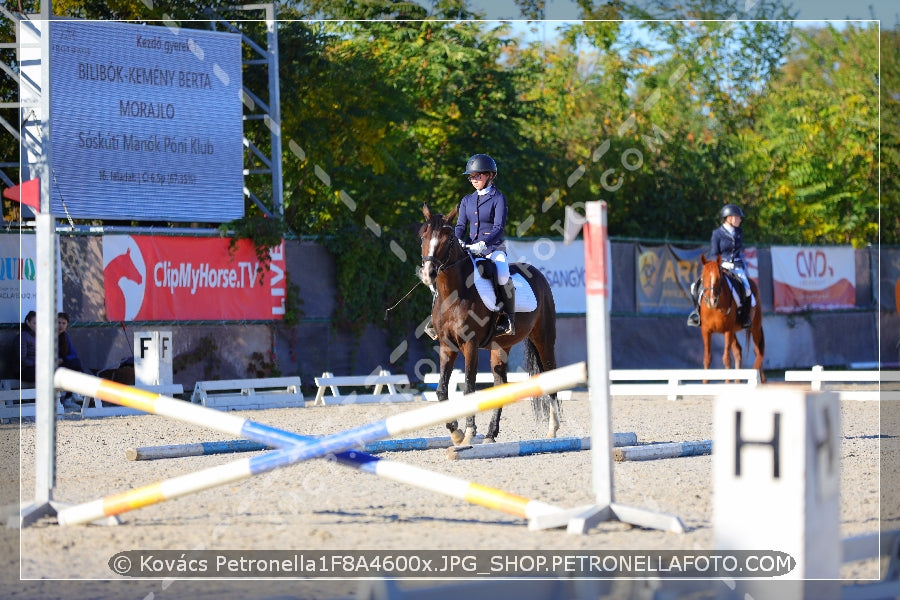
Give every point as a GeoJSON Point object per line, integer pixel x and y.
{"type": "Point", "coordinates": [729, 245]}
{"type": "Point", "coordinates": [485, 217]}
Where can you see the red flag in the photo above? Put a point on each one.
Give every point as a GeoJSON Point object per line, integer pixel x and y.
{"type": "Point", "coordinates": [28, 192]}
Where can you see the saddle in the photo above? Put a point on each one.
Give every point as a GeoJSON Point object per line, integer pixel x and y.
{"type": "Point", "coordinates": [485, 281]}
{"type": "Point", "coordinates": [736, 283]}
{"type": "Point", "coordinates": [488, 270]}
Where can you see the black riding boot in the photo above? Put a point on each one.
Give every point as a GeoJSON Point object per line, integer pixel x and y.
{"type": "Point", "coordinates": [429, 327]}
{"type": "Point", "coordinates": [744, 314]}
{"type": "Point", "coordinates": [693, 319]}
{"type": "Point", "coordinates": [506, 324]}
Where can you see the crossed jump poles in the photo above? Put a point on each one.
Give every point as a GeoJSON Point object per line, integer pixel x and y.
{"type": "Point", "coordinates": [293, 448]}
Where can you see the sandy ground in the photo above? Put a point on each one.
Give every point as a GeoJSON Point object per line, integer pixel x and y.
{"type": "Point", "coordinates": [319, 505]}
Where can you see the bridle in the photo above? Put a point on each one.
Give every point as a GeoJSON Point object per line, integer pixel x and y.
{"type": "Point", "coordinates": [713, 291]}
{"type": "Point", "coordinates": [442, 265]}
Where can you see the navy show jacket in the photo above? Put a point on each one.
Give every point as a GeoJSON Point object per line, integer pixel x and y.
{"type": "Point", "coordinates": [485, 218]}
{"type": "Point", "coordinates": [731, 247]}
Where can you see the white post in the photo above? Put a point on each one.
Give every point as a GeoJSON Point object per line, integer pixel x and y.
{"type": "Point", "coordinates": [153, 357]}
{"type": "Point", "coordinates": [777, 476]}
{"type": "Point", "coordinates": [596, 272]}
{"type": "Point", "coordinates": [598, 284]}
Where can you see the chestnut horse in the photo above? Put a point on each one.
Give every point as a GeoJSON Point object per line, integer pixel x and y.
{"type": "Point", "coordinates": [464, 324]}
{"type": "Point", "coordinates": [718, 314]}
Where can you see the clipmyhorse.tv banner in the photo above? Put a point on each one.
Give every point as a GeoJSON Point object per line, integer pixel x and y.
{"type": "Point", "coordinates": [806, 278]}
{"type": "Point", "coordinates": [155, 278]}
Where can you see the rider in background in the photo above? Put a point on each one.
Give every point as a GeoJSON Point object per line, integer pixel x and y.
{"type": "Point", "coordinates": [481, 224]}
{"type": "Point", "coordinates": [728, 242]}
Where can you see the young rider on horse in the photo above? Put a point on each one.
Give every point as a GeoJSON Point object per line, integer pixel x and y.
{"type": "Point", "coordinates": [727, 241]}
{"type": "Point", "coordinates": [483, 214]}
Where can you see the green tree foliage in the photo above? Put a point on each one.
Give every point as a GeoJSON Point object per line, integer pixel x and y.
{"type": "Point", "coordinates": [811, 154]}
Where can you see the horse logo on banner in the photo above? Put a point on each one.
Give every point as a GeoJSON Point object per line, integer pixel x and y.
{"type": "Point", "coordinates": [124, 275]}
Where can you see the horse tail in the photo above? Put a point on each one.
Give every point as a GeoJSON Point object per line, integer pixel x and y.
{"type": "Point", "coordinates": [533, 362]}
{"type": "Point", "coordinates": [540, 405]}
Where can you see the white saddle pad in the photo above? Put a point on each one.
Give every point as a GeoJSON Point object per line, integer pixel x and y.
{"type": "Point", "coordinates": [525, 298]}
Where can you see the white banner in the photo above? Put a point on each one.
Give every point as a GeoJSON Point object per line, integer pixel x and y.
{"type": "Point", "coordinates": [562, 265]}
{"type": "Point", "coordinates": [805, 278]}
{"type": "Point", "coordinates": [18, 276]}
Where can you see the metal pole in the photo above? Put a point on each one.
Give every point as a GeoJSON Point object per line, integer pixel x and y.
{"type": "Point", "coordinates": [274, 109]}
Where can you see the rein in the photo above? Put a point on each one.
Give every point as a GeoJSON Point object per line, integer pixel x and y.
{"type": "Point", "coordinates": [405, 296]}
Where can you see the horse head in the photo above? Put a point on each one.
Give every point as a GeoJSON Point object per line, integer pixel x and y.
{"type": "Point", "coordinates": [711, 280]}
{"type": "Point", "coordinates": [440, 248]}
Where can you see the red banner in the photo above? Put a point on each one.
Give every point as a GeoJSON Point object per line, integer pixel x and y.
{"type": "Point", "coordinates": [149, 278]}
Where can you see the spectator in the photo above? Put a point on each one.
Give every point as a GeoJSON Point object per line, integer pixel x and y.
{"type": "Point", "coordinates": [67, 357]}
{"type": "Point", "coordinates": [27, 349]}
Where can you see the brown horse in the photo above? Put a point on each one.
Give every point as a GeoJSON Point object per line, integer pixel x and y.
{"type": "Point", "coordinates": [464, 324]}
{"type": "Point", "coordinates": [718, 314]}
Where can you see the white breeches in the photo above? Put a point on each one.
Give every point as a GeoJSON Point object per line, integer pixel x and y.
{"type": "Point", "coordinates": [499, 259]}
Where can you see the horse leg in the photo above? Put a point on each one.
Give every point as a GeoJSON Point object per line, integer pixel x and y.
{"type": "Point", "coordinates": [738, 354]}
{"type": "Point", "coordinates": [500, 369]}
{"type": "Point", "coordinates": [470, 356]}
{"type": "Point", "coordinates": [448, 359]}
{"type": "Point", "coordinates": [759, 345]}
{"type": "Point", "coordinates": [707, 348]}
{"type": "Point", "coordinates": [729, 345]}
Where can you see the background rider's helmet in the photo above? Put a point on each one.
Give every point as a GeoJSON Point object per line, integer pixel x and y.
{"type": "Point", "coordinates": [480, 163]}
{"type": "Point", "coordinates": [730, 210]}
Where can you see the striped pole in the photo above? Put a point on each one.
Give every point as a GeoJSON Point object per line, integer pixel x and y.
{"type": "Point", "coordinates": [529, 447]}
{"type": "Point", "coordinates": [232, 446]}
{"type": "Point", "coordinates": [663, 450]}
{"type": "Point", "coordinates": [294, 450]}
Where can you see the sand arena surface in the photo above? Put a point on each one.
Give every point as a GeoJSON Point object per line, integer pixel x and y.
{"type": "Point", "coordinates": [320, 505]}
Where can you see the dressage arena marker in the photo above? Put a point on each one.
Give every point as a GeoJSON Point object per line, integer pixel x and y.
{"type": "Point", "coordinates": [231, 446]}
{"type": "Point", "coordinates": [776, 474]}
{"type": "Point", "coordinates": [529, 447]}
{"type": "Point", "coordinates": [296, 450]}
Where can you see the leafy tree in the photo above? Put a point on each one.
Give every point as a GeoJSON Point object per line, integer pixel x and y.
{"type": "Point", "coordinates": [812, 154]}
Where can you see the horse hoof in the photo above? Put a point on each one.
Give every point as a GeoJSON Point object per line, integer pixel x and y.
{"type": "Point", "coordinates": [456, 436]}
{"type": "Point", "coordinates": [470, 435]}
{"type": "Point", "coordinates": [488, 440]}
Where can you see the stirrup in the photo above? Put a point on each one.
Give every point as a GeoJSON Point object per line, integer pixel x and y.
{"type": "Point", "coordinates": [430, 331]}
{"type": "Point", "coordinates": [505, 325]}
{"type": "Point", "coordinates": [693, 319]}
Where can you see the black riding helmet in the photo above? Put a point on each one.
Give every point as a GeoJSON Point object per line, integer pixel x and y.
{"type": "Point", "coordinates": [480, 163]}
{"type": "Point", "coordinates": [730, 210]}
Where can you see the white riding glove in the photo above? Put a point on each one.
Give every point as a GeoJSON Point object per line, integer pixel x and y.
{"type": "Point", "coordinates": [478, 248]}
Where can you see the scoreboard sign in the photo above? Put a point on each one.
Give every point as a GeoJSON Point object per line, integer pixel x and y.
{"type": "Point", "coordinates": [146, 122]}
